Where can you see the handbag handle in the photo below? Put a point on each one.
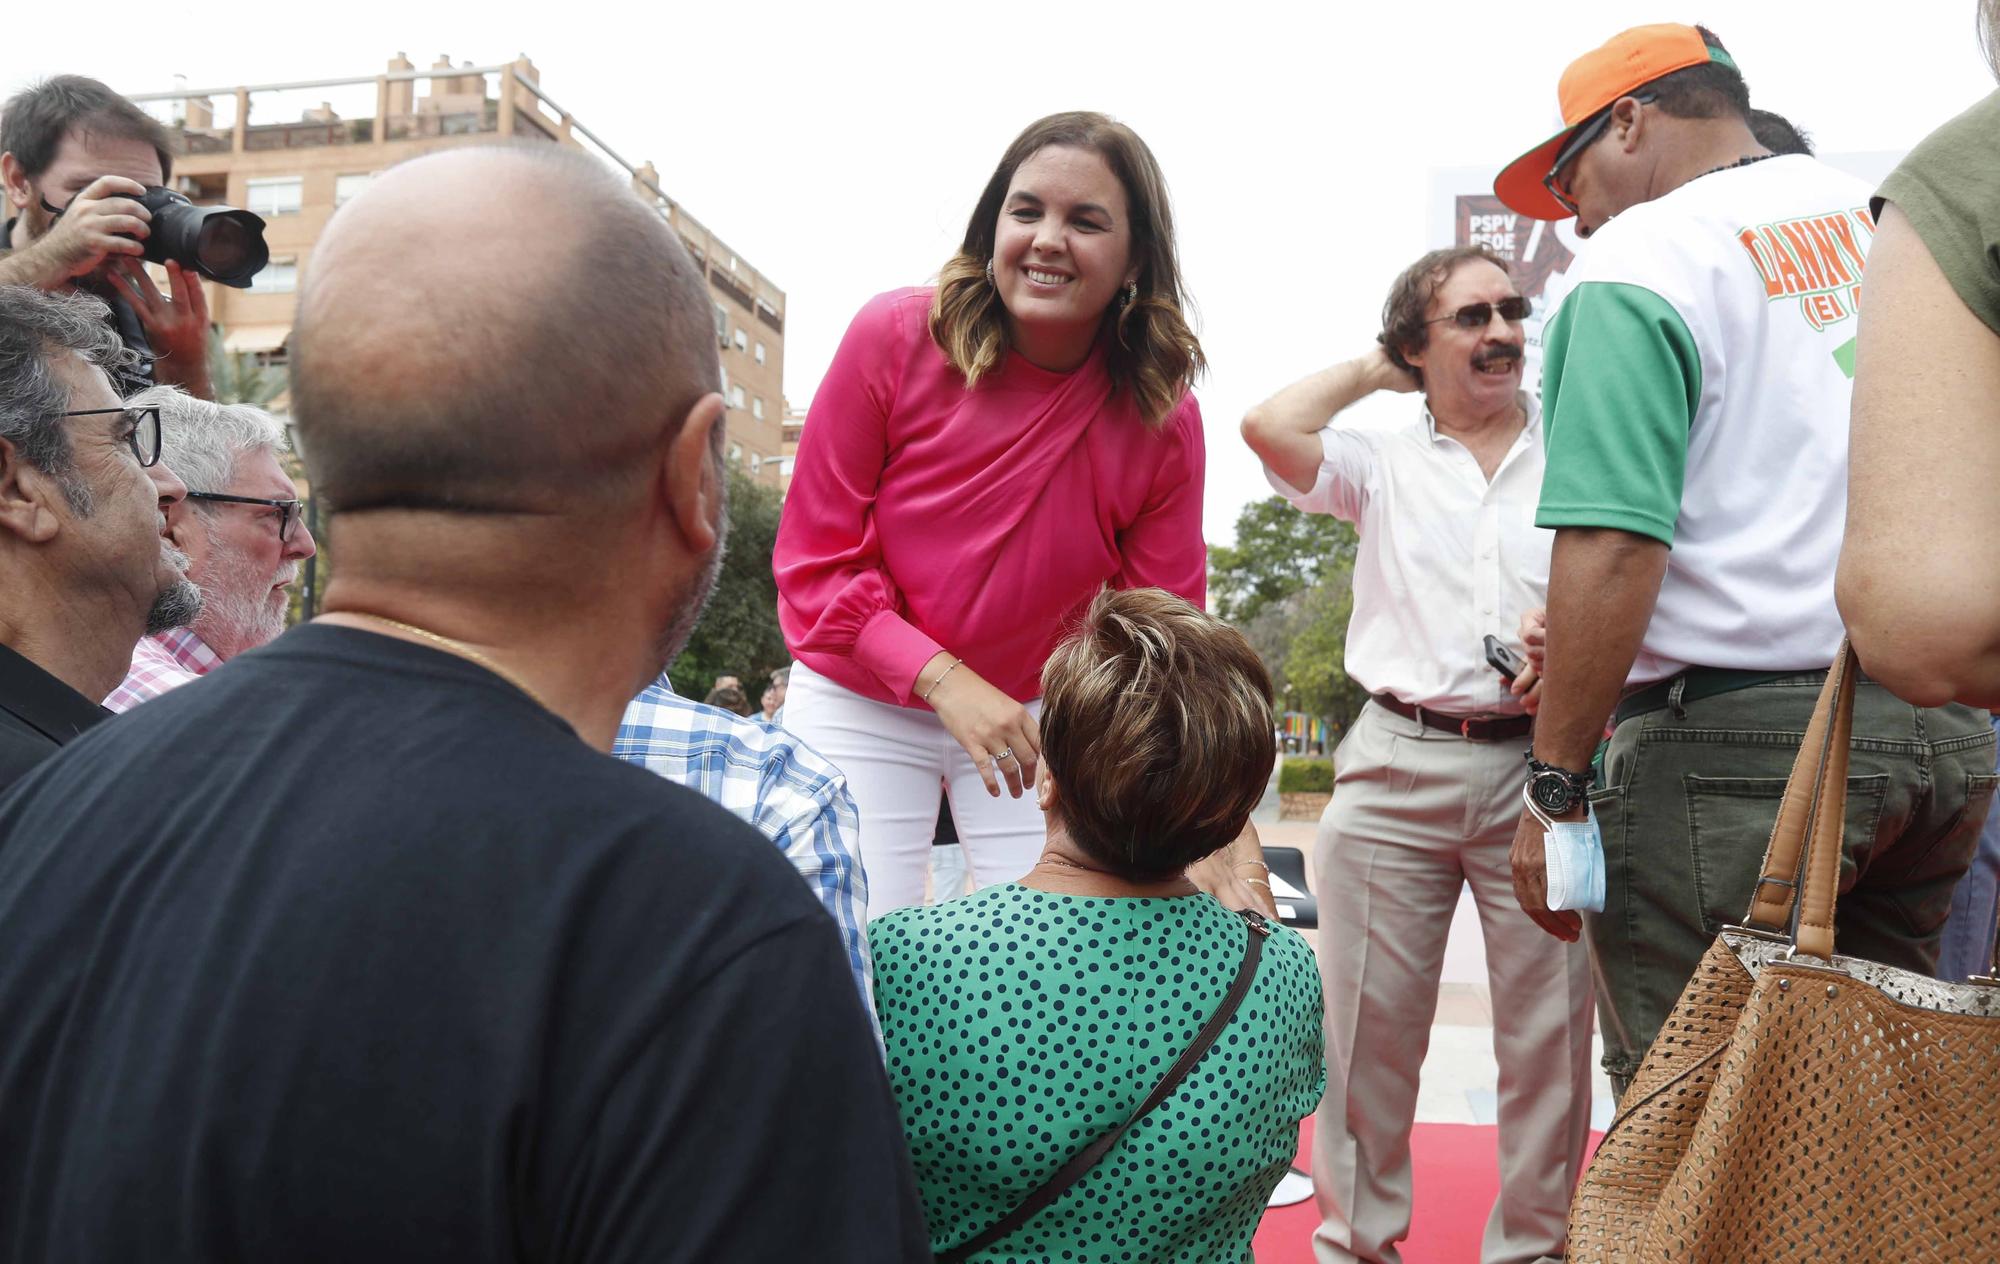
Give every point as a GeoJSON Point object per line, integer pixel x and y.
{"type": "Point", "coordinates": [1815, 799]}
{"type": "Point", "coordinates": [1810, 829]}
{"type": "Point", "coordinates": [1085, 1159]}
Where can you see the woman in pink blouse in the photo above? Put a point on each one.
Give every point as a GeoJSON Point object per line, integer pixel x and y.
{"type": "Point", "coordinates": [979, 461]}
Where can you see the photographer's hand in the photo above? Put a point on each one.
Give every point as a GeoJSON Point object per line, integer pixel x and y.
{"type": "Point", "coordinates": [101, 221]}
{"type": "Point", "coordinates": [176, 324]}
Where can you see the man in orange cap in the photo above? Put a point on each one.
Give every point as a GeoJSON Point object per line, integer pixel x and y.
{"type": "Point", "coordinates": [1695, 393]}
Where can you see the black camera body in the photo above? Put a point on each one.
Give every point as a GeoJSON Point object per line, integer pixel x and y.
{"type": "Point", "coordinates": [220, 242]}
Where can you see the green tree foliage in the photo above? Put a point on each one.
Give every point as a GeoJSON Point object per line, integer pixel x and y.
{"type": "Point", "coordinates": [1288, 583]}
{"type": "Point", "coordinates": [1278, 552]}
{"type": "Point", "coordinates": [238, 378]}
{"type": "Point", "coordinates": [738, 634]}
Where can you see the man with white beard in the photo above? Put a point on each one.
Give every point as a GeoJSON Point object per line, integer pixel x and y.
{"type": "Point", "coordinates": [244, 542]}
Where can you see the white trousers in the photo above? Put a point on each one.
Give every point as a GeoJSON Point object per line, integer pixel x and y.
{"type": "Point", "coordinates": [894, 757]}
{"type": "Point", "coordinates": [1416, 816]}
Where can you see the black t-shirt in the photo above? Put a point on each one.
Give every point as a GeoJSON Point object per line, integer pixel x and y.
{"type": "Point", "coordinates": [39, 715]}
{"type": "Point", "coordinates": [349, 951]}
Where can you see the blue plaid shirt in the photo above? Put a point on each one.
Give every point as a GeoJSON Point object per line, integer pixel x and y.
{"type": "Point", "coordinates": [773, 781]}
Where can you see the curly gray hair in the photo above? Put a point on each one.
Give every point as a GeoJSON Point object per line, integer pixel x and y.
{"type": "Point", "coordinates": [35, 328]}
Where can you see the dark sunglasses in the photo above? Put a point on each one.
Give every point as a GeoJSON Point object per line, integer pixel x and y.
{"type": "Point", "coordinates": [289, 511]}
{"type": "Point", "coordinates": [1479, 315]}
{"type": "Point", "coordinates": [143, 438]}
{"type": "Point", "coordinates": [1580, 140]}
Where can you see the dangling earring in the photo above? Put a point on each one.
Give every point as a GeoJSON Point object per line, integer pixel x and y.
{"type": "Point", "coordinates": [1131, 293]}
{"type": "Point", "coordinates": [989, 273]}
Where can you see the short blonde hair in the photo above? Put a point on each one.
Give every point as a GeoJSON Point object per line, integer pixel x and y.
{"type": "Point", "coordinates": [1156, 727]}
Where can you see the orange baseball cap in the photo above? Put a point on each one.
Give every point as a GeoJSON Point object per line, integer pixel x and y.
{"type": "Point", "coordinates": [1626, 61]}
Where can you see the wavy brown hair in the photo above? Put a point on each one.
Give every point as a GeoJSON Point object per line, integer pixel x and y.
{"type": "Point", "coordinates": [1150, 350]}
{"type": "Point", "coordinates": [1404, 313]}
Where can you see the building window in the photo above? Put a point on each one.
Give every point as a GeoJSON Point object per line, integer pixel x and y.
{"type": "Point", "coordinates": [756, 466]}
{"type": "Point", "coordinates": [760, 353]}
{"type": "Point", "coordinates": [280, 276]}
{"type": "Point", "coordinates": [735, 453]}
{"type": "Point", "coordinates": [721, 324]}
{"type": "Point", "coordinates": [346, 187]}
{"type": "Point", "coordinates": [736, 397]}
{"type": "Point", "coordinates": [742, 341]}
{"type": "Point", "coordinates": [757, 407]}
{"type": "Point", "coordinates": [275, 197]}
{"type": "Point", "coordinates": [785, 465]}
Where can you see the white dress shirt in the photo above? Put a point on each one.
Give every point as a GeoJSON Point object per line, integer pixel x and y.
{"type": "Point", "coordinates": [1446, 557]}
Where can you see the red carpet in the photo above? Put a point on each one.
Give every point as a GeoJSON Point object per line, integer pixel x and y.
{"type": "Point", "coordinates": [1457, 1175]}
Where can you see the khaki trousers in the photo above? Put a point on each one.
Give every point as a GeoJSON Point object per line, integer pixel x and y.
{"type": "Point", "coordinates": [1416, 814]}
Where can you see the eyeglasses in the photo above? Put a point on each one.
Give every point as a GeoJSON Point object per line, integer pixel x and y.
{"type": "Point", "coordinates": [1513, 310]}
{"type": "Point", "coordinates": [289, 511]}
{"type": "Point", "coordinates": [1580, 140]}
{"type": "Point", "coordinates": [144, 437]}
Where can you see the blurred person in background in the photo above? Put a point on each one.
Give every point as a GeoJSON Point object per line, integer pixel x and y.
{"type": "Point", "coordinates": [245, 539]}
{"type": "Point", "coordinates": [74, 156]}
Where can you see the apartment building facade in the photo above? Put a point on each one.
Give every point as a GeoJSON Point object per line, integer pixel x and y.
{"type": "Point", "coordinates": [257, 147]}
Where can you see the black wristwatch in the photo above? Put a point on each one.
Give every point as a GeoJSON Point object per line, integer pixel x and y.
{"type": "Point", "coordinates": [1555, 790]}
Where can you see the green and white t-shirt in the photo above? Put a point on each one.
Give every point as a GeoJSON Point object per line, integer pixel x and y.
{"type": "Point", "coordinates": [1695, 388]}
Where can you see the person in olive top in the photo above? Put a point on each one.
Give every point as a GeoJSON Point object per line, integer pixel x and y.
{"type": "Point", "coordinates": [1920, 568]}
{"type": "Point", "coordinates": [1919, 580]}
{"type": "Point", "coordinates": [85, 502]}
{"type": "Point", "coordinates": [1027, 1020]}
{"type": "Point", "coordinates": [363, 947]}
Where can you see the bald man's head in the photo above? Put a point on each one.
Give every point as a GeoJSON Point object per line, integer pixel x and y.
{"type": "Point", "coordinates": [496, 329]}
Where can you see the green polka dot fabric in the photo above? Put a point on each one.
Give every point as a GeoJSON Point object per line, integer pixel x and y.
{"type": "Point", "coordinates": [1020, 1025]}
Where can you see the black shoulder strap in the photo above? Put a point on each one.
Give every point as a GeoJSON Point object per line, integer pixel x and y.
{"type": "Point", "coordinates": [1088, 1157]}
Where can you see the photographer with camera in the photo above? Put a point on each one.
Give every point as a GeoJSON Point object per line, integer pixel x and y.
{"type": "Point", "coordinates": [79, 162]}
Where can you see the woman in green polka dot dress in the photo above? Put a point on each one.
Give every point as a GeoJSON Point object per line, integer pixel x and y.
{"type": "Point", "coordinates": [1025, 1020]}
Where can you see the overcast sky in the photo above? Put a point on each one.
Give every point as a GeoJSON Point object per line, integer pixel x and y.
{"type": "Point", "coordinates": [838, 147]}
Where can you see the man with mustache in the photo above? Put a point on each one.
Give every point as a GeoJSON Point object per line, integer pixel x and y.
{"type": "Point", "coordinates": [244, 540]}
{"type": "Point", "coordinates": [1428, 777]}
{"type": "Point", "coordinates": [84, 503]}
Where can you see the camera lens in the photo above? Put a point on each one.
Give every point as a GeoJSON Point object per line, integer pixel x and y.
{"type": "Point", "coordinates": [225, 247]}
{"type": "Point", "coordinates": [220, 242]}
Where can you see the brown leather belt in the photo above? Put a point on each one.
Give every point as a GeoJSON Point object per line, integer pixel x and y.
{"type": "Point", "coordinates": [1504, 728]}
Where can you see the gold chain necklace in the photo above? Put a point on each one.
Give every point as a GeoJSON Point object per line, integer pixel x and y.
{"type": "Point", "coordinates": [449, 646]}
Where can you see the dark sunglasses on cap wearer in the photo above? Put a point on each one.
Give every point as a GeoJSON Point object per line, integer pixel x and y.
{"type": "Point", "coordinates": [1478, 315]}
{"type": "Point", "coordinates": [1585, 134]}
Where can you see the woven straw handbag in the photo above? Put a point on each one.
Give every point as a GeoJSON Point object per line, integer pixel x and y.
{"type": "Point", "coordinates": [1798, 1105]}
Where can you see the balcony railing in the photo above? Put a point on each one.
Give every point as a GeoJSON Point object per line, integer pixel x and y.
{"type": "Point", "coordinates": [263, 136]}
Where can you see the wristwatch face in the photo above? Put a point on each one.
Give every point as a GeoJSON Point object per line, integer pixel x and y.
{"type": "Point", "coordinates": [1552, 793]}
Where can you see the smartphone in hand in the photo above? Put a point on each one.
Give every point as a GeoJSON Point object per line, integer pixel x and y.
{"type": "Point", "coordinates": [1503, 659]}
